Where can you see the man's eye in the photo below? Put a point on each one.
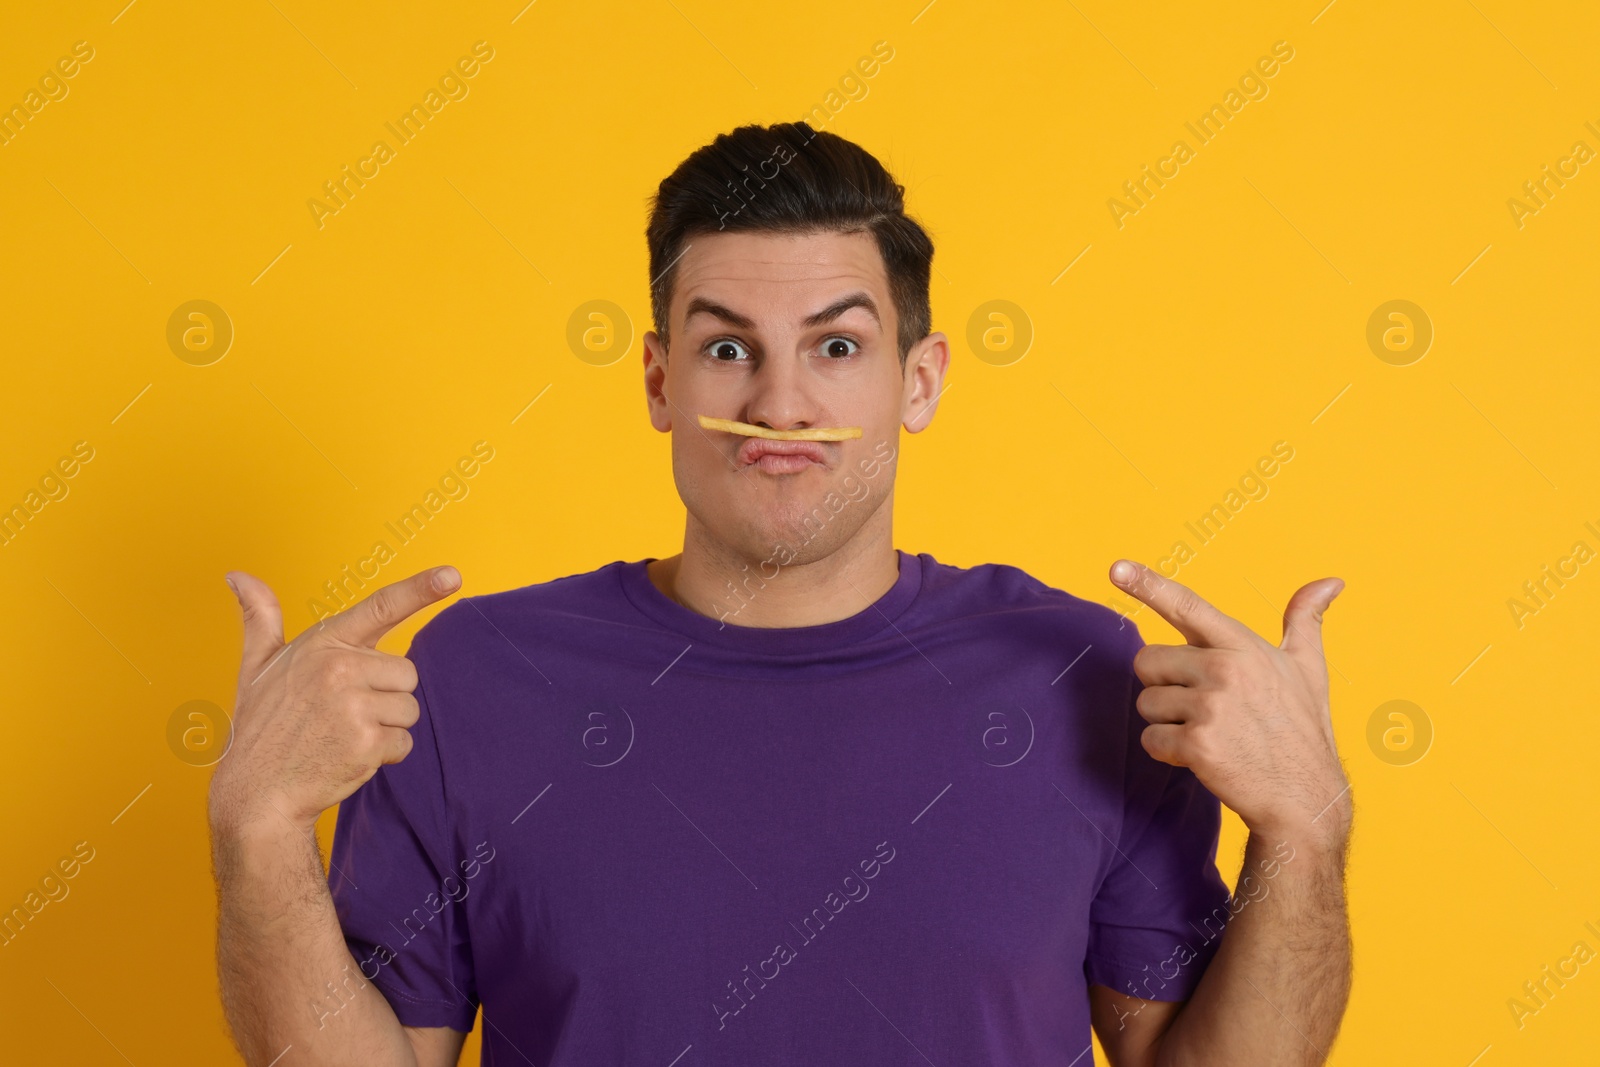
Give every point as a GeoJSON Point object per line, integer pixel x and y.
{"type": "Point", "coordinates": [839, 347]}
{"type": "Point", "coordinates": [727, 351]}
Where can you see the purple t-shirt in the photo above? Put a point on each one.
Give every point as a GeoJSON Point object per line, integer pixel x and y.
{"type": "Point", "coordinates": [635, 834]}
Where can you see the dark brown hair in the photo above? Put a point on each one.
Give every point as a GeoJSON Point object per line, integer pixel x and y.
{"type": "Point", "coordinates": [789, 178]}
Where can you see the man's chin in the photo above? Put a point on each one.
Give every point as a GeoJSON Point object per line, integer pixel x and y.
{"type": "Point", "coordinates": [783, 535]}
{"type": "Point", "coordinates": [798, 518]}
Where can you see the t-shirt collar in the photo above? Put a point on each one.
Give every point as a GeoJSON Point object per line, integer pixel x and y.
{"type": "Point", "coordinates": [840, 634]}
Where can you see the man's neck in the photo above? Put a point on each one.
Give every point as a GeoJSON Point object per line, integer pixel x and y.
{"type": "Point", "coordinates": [714, 580]}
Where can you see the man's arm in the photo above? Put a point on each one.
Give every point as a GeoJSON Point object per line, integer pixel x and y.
{"type": "Point", "coordinates": [1277, 987]}
{"type": "Point", "coordinates": [314, 719]}
{"type": "Point", "coordinates": [1130, 1029]}
{"type": "Point", "coordinates": [1253, 723]}
{"type": "Point", "coordinates": [288, 980]}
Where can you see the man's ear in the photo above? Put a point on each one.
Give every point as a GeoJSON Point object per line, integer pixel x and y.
{"type": "Point", "coordinates": [926, 365]}
{"type": "Point", "coordinates": [655, 381]}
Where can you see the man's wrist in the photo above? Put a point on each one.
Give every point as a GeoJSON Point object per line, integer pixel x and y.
{"type": "Point", "coordinates": [235, 809]}
{"type": "Point", "coordinates": [1323, 834]}
{"type": "Point", "coordinates": [1321, 840]}
{"type": "Point", "coordinates": [257, 835]}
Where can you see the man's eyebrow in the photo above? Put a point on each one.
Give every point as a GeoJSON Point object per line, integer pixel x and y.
{"type": "Point", "coordinates": [843, 304]}
{"type": "Point", "coordinates": [700, 305]}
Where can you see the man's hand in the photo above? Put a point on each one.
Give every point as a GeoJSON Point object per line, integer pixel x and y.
{"type": "Point", "coordinates": [1249, 719]}
{"type": "Point", "coordinates": [315, 718]}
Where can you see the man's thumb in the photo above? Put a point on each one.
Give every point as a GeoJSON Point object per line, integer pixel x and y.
{"type": "Point", "coordinates": [263, 620]}
{"type": "Point", "coordinates": [1302, 619]}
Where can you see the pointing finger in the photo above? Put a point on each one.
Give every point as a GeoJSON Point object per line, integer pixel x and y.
{"type": "Point", "coordinates": [1198, 622]}
{"type": "Point", "coordinates": [369, 620]}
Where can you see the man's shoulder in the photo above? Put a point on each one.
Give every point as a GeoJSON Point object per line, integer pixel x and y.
{"type": "Point", "coordinates": [587, 593]}
{"type": "Point", "coordinates": [990, 589]}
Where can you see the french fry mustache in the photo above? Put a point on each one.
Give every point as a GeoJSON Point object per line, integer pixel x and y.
{"type": "Point", "coordinates": [824, 433]}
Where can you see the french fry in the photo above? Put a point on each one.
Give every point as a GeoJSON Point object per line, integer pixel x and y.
{"type": "Point", "coordinates": [842, 433]}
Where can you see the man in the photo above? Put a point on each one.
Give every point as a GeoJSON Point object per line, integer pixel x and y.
{"type": "Point", "coordinates": [791, 795]}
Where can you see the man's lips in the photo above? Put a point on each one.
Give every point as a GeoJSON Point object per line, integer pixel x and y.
{"type": "Point", "coordinates": [780, 457]}
{"type": "Point", "coordinates": [780, 451]}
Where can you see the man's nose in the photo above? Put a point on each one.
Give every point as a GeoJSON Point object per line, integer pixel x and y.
{"type": "Point", "coordinates": [779, 396]}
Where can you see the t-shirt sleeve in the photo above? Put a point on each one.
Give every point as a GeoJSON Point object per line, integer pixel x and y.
{"type": "Point", "coordinates": [397, 886]}
{"type": "Point", "coordinates": [1156, 921]}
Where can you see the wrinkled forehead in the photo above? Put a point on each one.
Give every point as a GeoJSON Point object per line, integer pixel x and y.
{"type": "Point", "coordinates": [781, 277]}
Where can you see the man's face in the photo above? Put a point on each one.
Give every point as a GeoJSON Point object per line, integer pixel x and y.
{"type": "Point", "coordinates": [786, 332]}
